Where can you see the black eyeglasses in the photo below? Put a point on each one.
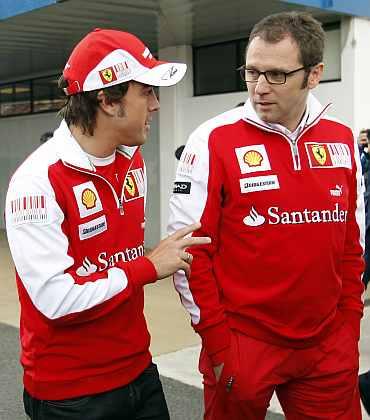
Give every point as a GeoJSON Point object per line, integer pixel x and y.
{"type": "Point", "coordinates": [274, 77]}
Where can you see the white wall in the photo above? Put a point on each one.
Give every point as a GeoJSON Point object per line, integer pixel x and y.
{"type": "Point", "coordinates": [360, 42]}
{"type": "Point", "coordinates": [150, 152]}
{"type": "Point", "coordinates": [19, 136]}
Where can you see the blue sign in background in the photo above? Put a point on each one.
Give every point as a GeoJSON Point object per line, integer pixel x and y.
{"type": "Point", "coordinates": [9, 8]}
{"type": "Point", "coordinates": [356, 8]}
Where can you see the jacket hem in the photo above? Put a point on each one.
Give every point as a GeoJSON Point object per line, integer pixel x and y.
{"type": "Point", "coordinates": [60, 390]}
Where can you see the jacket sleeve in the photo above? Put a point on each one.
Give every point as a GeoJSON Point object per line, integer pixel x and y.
{"type": "Point", "coordinates": [197, 196]}
{"type": "Point", "coordinates": [44, 259]}
{"type": "Point", "coordinates": [350, 304]}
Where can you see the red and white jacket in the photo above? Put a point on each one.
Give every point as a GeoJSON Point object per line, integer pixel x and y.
{"type": "Point", "coordinates": [286, 221]}
{"type": "Point", "coordinates": [78, 248]}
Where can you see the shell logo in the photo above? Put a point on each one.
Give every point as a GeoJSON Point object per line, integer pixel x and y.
{"type": "Point", "coordinates": [253, 158]}
{"type": "Point", "coordinates": [88, 198]}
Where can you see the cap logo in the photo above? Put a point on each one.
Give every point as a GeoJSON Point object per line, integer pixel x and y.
{"type": "Point", "coordinates": [107, 75]}
{"type": "Point", "coordinates": [121, 70]}
{"type": "Point", "coordinates": [147, 53]}
{"type": "Point", "coordinates": [169, 73]}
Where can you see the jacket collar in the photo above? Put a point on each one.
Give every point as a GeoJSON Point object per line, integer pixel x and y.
{"type": "Point", "coordinates": [72, 154]}
{"type": "Point", "coordinates": [314, 112]}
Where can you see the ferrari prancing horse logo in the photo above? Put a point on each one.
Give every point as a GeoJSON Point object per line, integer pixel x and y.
{"type": "Point", "coordinates": [134, 185]}
{"type": "Point", "coordinates": [108, 75]}
{"type": "Point", "coordinates": [130, 185]}
{"type": "Point", "coordinates": [319, 154]}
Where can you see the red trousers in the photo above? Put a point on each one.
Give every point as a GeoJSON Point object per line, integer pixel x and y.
{"type": "Point", "coordinates": [320, 382]}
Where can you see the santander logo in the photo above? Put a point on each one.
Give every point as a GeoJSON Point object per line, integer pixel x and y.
{"type": "Point", "coordinates": [254, 219]}
{"type": "Point", "coordinates": [86, 268]}
{"type": "Point", "coordinates": [275, 216]}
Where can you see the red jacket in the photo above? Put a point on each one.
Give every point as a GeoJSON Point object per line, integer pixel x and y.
{"type": "Point", "coordinates": [78, 249]}
{"type": "Point", "coordinates": [286, 221]}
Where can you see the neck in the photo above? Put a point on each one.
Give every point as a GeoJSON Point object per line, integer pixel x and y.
{"type": "Point", "coordinates": [292, 127]}
{"type": "Point", "coordinates": [100, 144]}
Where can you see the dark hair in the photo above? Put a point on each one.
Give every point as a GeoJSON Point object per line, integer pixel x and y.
{"type": "Point", "coordinates": [365, 131]}
{"type": "Point", "coordinates": [46, 136]}
{"type": "Point", "coordinates": [305, 30]}
{"type": "Point", "coordinates": [80, 109]}
{"type": "Point", "coordinates": [178, 151]}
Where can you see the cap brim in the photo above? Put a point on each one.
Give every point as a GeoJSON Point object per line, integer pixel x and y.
{"type": "Point", "coordinates": [165, 74]}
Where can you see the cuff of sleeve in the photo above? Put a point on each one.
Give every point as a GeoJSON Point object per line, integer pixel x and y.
{"type": "Point", "coordinates": [140, 271]}
{"type": "Point", "coordinates": [354, 319]}
{"type": "Point", "coordinates": [216, 341]}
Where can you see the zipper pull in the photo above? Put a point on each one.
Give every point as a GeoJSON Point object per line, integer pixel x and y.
{"type": "Point", "coordinates": [229, 384]}
{"type": "Point", "coordinates": [121, 210]}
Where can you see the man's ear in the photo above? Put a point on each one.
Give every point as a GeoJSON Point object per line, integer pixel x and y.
{"type": "Point", "coordinates": [108, 107]}
{"type": "Point", "coordinates": [315, 75]}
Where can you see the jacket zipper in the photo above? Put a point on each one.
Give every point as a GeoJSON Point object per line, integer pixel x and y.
{"type": "Point", "coordinates": [297, 165]}
{"type": "Point", "coordinates": [293, 144]}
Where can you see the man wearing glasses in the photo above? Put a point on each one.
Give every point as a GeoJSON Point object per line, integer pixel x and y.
{"type": "Point", "coordinates": [276, 184]}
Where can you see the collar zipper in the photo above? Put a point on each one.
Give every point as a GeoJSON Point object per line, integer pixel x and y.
{"type": "Point", "coordinates": [118, 200]}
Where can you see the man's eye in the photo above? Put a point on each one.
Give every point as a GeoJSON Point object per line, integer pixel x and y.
{"type": "Point", "coordinates": [251, 72]}
{"type": "Point", "coordinates": [278, 75]}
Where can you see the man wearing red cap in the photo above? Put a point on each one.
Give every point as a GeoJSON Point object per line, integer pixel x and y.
{"type": "Point", "coordinates": [75, 225]}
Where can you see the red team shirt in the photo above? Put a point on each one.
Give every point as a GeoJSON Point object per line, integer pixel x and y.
{"type": "Point", "coordinates": [286, 221]}
{"type": "Point", "coordinates": [76, 234]}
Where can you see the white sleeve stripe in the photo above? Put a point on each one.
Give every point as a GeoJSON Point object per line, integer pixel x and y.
{"type": "Point", "coordinates": [194, 209]}
{"type": "Point", "coordinates": [61, 296]}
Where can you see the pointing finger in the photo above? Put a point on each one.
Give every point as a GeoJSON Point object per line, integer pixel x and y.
{"type": "Point", "coordinates": [185, 231]}
{"type": "Point", "coordinates": [195, 240]}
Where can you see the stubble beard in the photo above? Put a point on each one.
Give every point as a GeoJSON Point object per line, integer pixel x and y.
{"type": "Point", "coordinates": [121, 111]}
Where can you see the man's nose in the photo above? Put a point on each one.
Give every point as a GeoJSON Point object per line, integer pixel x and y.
{"type": "Point", "coordinates": [153, 102]}
{"type": "Point", "coordinates": [262, 85]}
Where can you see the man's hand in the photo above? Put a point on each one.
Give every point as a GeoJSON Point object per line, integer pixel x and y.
{"type": "Point", "coordinates": [170, 256]}
{"type": "Point", "coordinates": [218, 370]}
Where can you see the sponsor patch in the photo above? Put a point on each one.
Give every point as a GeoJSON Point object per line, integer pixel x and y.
{"type": "Point", "coordinates": [87, 198]}
{"type": "Point", "coordinates": [86, 268]}
{"type": "Point", "coordinates": [259, 183]}
{"type": "Point", "coordinates": [187, 162]}
{"type": "Point", "coordinates": [328, 155]}
{"type": "Point", "coordinates": [122, 70]}
{"type": "Point", "coordinates": [92, 228]}
{"type": "Point", "coordinates": [337, 191]}
{"type": "Point", "coordinates": [108, 75]}
{"type": "Point", "coordinates": [275, 216]}
{"type": "Point", "coordinates": [182, 187]}
{"type": "Point", "coordinates": [254, 218]}
{"type": "Point", "coordinates": [252, 159]}
{"type": "Point", "coordinates": [134, 185]}
{"type": "Point", "coordinates": [29, 209]}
